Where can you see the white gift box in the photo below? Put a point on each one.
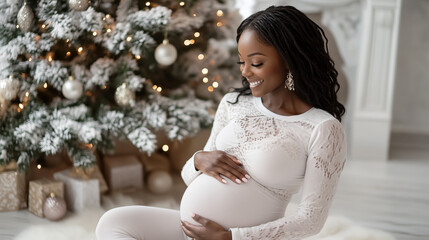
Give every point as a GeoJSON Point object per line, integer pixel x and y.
{"type": "Point", "coordinates": [79, 194]}
{"type": "Point", "coordinates": [123, 172]}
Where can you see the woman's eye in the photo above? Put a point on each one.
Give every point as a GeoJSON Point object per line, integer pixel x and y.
{"type": "Point", "coordinates": [257, 65]}
{"type": "Point", "coordinates": [240, 63]}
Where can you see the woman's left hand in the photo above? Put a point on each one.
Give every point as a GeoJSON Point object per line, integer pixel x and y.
{"type": "Point", "coordinates": [208, 231]}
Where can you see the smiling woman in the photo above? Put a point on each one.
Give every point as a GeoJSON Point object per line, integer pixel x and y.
{"type": "Point", "coordinates": [281, 131]}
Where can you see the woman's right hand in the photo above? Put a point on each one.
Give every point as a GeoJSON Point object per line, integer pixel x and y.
{"type": "Point", "coordinates": [217, 163]}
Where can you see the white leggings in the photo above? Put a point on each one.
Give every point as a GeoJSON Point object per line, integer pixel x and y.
{"type": "Point", "coordinates": [140, 222]}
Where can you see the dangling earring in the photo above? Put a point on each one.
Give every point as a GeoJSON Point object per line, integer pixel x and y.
{"type": "Point", "coordinates": [289, 82]}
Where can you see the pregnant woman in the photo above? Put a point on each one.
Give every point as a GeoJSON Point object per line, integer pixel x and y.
{"type": "Point", "coordinates": [278, 133]}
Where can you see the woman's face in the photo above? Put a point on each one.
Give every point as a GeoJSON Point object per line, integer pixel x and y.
{"type": "Point", "coordinates": [261, 64]}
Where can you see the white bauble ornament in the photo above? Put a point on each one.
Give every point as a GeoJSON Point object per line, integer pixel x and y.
{"type": "Point", "coordinates": [9, 87]}
{"type": "Point", "coordinates": [159, 181]}
{"type": "Point", "coordinates": [165, 53]}
{"type": "Point", "coordinates": [79, 5]}
{"type": "Point", "coordinates": [124, 97]}
{"type": "Point", "coordinates": [54, 208]}
{"type": "Point", "coordinates": [72, 89]}
{"type": "Point", "coordinates": [25, 18]}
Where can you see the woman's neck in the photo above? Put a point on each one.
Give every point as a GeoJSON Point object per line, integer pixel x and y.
{"type": "Point", "coordinates": [282, 103]}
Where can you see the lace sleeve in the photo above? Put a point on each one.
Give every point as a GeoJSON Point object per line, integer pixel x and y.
{"type": "Point", "coordinates": [326, 158]}
{"type": "Point", "coordinates": [189, 173]}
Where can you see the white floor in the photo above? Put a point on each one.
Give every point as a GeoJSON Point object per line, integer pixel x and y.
{"type": "Point", "coordinates": [390, 196]}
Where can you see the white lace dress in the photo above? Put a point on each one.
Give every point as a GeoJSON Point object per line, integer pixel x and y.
{"type": "Point", "coordinates": [281, 154]}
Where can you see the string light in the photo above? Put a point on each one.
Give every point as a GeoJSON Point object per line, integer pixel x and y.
{"type": "Point", "coordinates": [200, 56]}
{"type": "Point", "coordinates": [194, 15]}
{"type": "Point", "coordinates": [205, 80]}
{"type": "Point", "coordinates": [215, 84]}
{"type": "Point", "coordinates": [68, 54]}
{"type": "Point", "coordinates": [196, 34]}
{"type": "Point", "coordinates": [210, 88]}
{"type": "Point", "coordinates": [159, 89]}
{"type": "Point", "coordinates": [165, 148]}
{"type": "Point", "coordinates": [187, 42]}
{"type": "Point", "coordinates": [107, 15]}
{"type": "Point", "coordinates": [30, 59]}
{"type": "Point", "coordinates": [219, 24]}
{"type": "Point", "coordinates": [138, 57]}
{"type": "Point", "coordinates": [94, 33]}
{"type": "Point", "coordinates": [45, 85]}
{"type": "Point", "coordinates": [79, 50]}
{"type": "Point", "coordinates": [21, 106]}
{"type": "Point", "coordinates": [67, 40]}
{"type": "Point", "coordinates": [104, 87]}
{"type": "Point", "coordinates": [219, 13]}
{"type": "Point", "coordinates": [109, 30]}
{"type": "Point", "coordinates": [204, 71]}
{"type": "Point", "coordinates": [182, 4]}
{"type": "Point", "coordinates": [43, 26]}
{"type": "Point", "coordinates": [27, 94]}
{"type": "Point", "coordinates": [49, 58]}
{"type": "Point", "coordinates": [17, 26]}
{"type": "Point", "coordinates": [129, 38]}
{"type": "Point", "coordinates": [192, 41]}
{"type": "Point", "coordinates": [39, 166]}
{"type": "Point", "coordinates": [147, 4]}
{"type": "Point", "coordinates": [37, 38]}
{"type": "Point", "coordinates": [154, 87]}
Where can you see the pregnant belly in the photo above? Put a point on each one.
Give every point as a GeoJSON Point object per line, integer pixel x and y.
{"type": "Point", "coordinates": [230, 205]}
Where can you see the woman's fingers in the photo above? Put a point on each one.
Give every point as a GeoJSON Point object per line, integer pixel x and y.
{"type": "Point", "coordinates": [237, 171]}
{"type": "Point", "coordinates": [188, 229]}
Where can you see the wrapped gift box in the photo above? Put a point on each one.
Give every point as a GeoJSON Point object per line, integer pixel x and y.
{"type": "Point", "coordinates": [12, 191]}
{"type": "Point", "coordinates": [39, 191]}
{"type": "Point", "coordinates": [79, 194]}
{"type": "Point", "coordinates": [123, 172]}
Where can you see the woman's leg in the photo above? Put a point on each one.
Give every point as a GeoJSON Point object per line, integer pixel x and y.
{"type": "Point", "coordinates": [140, 222]}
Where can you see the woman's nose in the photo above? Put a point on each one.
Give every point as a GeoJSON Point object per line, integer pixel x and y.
{"type": "Point", "coordinates": [245, 71]}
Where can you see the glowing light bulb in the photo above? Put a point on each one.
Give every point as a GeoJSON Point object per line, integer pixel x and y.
{"type": "Point", "coordinates": [192, 41]}
{"type": "Point", "coordinates": [138, 57]}
{"type": "Point", "coordinates": [43, 26]}
{"type": "Point", "coordinates": [39, 166]}
{"type": "Point", "coordinates": [182, 4]}
{"type": "Point", "coordinates": [200, 56]}
{"type": "Point", "coordinates": [27, 94]}
{"type": "Point", "coordinates": [147, 4]}
{"type": "Point", "coordinates": [165, 148]}
{"type": "Point", "coordinates": [204, 71]}
{"type": "Point", "coordinates": [154, 87]}
{"type": "Point", "coordinates": [197, 34]}
{"type": "Point", "coordinates": [30, 59]}
{"type": "Point", "coordinates": [187, 42]}
{"type": "Point", "coordinates": [205, 80]}
{"type": "Point", "coordinates": [219, 13]}
{"type": "Point", "coordinates": [215, 84]}
{"type": "Point", "coordinates": [45, 85]}
{"type": "Point", "coordinates": [210, 88]}
{"type": "Point", "coordinates": [21, 106]}
{"type": "Point", "coordinates": [129, 38]}
{"type": "Point", "coordinates": [219, 24]}
{"type": "Point", "coordinates": [79, 50]}
{"type": "Point", "coordinates": [68, 54]}
{"type": "Point", "coordinates": [109, 30]}
{"type": "Point", "coordinates": [67, 40]}
{"type": "Point", "coordinates": [159, 89]}
{"type": "Point", "coordinates": [17, 26]}
{"type": "Point", "coordinates": [49, 58]}
{"type": "Point", "coordinates": [94, 33]}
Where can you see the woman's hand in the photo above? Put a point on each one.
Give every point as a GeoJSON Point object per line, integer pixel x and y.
{"type": "Point", "coordinates": [208, 231]}
{"type": "Point", "coordinates": [217, 163]}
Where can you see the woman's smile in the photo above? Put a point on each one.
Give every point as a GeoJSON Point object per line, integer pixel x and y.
{"type": "Point", "coordinates": [254, 84]}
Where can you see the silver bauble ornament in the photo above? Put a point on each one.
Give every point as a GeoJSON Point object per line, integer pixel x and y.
{"type": "Point", "coordinates": [165, 53]}
{"type": "Point", "coordinates": [54, 208]}
{"type": "Point", "coordinates": [79, 5]}
{"type": "Point", "coordinates": [25, 18]}
{"type": "Point", "coordinates": [124, 97]}
{"type": "Point", "coordinates": [9, 87]}
{"type": "Point", "coordinates": [159, 181]}
{"type": "Point", "coordinates": [72, 89]}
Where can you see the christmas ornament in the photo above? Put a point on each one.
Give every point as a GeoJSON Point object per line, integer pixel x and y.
{"type": "Point", "coordinates": [124, 97]}
{"type": "Point", "coordinates": [25, 18]}
{"type": "Point", "coordinates": [54, 208]}
{"type": "Point", "coordinates": [165, 53]}
{"type": "Point", "coordinates": [9, 87]}
{"type": "Point", "coordinates": [72, 89]}
{"type": "Point", "coordinates": [79, 5]}
{"type": "Point", "coordinates": [159, 181]}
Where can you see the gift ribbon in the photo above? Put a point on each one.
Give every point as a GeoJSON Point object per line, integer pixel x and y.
{"type": "Point", "coordinates": [84, 173]}
{"type": "Point", "coordinates": [9, 167]}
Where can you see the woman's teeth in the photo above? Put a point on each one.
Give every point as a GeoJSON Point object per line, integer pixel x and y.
{"type": "Point", "coordinates": [254, 84]}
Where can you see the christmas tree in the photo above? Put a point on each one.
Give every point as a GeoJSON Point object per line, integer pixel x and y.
{"type": "Point", "coordinates": [77, 75]}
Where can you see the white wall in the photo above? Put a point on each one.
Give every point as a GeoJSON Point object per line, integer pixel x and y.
{"type": "Point", "coordinates": [411, 99]}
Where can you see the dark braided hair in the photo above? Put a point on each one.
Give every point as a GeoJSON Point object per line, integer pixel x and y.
{"type": "Point", "coordinates": [304, 47]}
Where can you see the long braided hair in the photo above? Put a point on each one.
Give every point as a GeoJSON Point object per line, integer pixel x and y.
{"type": "Point", "coordinates": [304, 47]}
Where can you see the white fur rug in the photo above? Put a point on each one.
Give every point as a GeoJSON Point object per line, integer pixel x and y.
{"type": "Point", "coordinates": [82, 225]}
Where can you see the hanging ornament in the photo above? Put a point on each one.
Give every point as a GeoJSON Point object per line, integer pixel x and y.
{"type": "Point", "coordinates": [165, 53]}
{"type": "Point", "coordinates": [79, 5]}
{"type": "Point", "coordinates": [25, 17]}
{"type": "Point", "coordinates": [72, 89]}
{"type": "Point", "coordinates": [124, 97]}
{"type": "Point", "coordinates": [54, 207]}
{"type": "Point", "coordinates": [9, 87]}
{"type": "Point", "coordinates": [159, 181]}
